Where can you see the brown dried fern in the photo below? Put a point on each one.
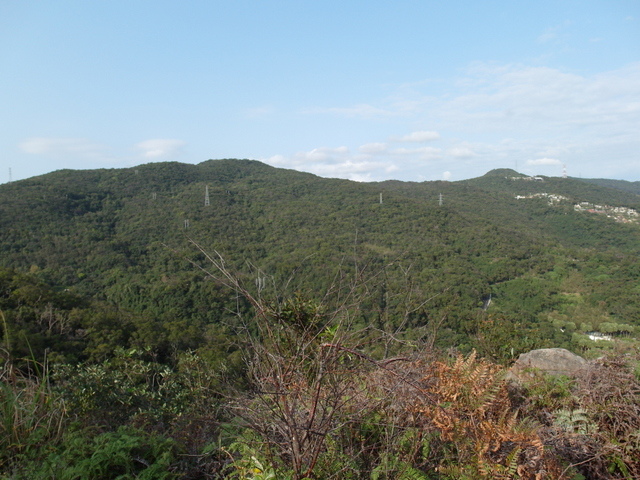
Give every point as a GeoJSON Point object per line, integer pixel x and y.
{"type": "Point", "coordinates": [474, 413]}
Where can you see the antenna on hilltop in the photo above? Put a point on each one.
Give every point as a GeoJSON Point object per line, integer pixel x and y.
{"type": "Point", "coordinates": [564, 171]}
{"type": "Point", "coordinates": [381, 199]}
{"type": "Point", "coordinates": [206, 196]}
{"type": "Point", "coordinates": [9, 175]}
{"type": "Point", "coordinates": [440, 200]}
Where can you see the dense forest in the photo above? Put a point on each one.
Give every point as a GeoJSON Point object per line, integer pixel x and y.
{"type": "Point", "coordinates": [234, 320]}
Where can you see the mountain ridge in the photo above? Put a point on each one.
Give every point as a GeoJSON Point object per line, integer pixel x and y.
{"type": "Point", "coordinates": [126, 237]}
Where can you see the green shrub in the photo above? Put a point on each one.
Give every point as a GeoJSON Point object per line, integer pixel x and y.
{"type": "Point", "coordinates": [123, 389]}
{"type": "Point", "coordinates": [124, 454]}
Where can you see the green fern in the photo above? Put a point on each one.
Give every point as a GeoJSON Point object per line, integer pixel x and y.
{"type": "Point", "coordinates": [410, 473]}
{"type": "Point", "coordinates": [574, 421]}
{"type": "Point", "coordinates": [512, 463]}
{"type": "Point", "coordinates": [397, 470]}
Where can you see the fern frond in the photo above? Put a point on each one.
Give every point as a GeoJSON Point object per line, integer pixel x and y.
{"type": "Point", "coordinates": [512, 462]}
{"type": "Point", "coordinates": [411, 473]}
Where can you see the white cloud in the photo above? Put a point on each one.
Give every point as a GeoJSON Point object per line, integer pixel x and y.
{"type": "Point", "coordinates": [82, 149]}
{"type": "Point", "coordinates": [62, 147]}
{"type": "Point", "coordinates": [423, 136]}
{"type": "Point", "coordinates": [336, 163]}
{"type": "Point", "coordinates": [540, 100]}
{"type": "Point", "coordinates": [498, 116]}
{"type": "Point", "coordinates": [544, 161]}
{"type": "Point", "coordinates": [425, 153]}
{"type": "Point", "coordinates": [373, 148]}
{"type": "Point", "coordinates": [315, 155]}
{"type": "Point", "coordinates": [160, 148]}
{"type": "Point", "coordinates": [320, 154]}
{"type": "Point", "coordinates": [446, 175]}
{"type": "Point", "coordinates": [461, 152]}
{"type": "Point", "coordinates": [277, 160]}
{"type": "Point", "coordinates": [346, 167]}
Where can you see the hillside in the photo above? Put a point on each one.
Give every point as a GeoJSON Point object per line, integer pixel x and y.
{"type": "Point", "coordinates": [126, 237]}
{"type": "Point", "coordinates": [235, 320]}
{"type": "Point", "coordinates": [633, 187]}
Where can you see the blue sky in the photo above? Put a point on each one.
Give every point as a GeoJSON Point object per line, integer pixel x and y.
{"type": "Point", "coordinates": [364, 90]}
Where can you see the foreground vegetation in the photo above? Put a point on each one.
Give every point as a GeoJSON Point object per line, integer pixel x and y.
{"type": "Point", "coordinates": [316, 397]}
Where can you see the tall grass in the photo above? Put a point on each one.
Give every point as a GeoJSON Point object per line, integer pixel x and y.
{"type": "Point", "coordinates": [31, 414]}
{"type": "Point", "coordinates": [30, 417]}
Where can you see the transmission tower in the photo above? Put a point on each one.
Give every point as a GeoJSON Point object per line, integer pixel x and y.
{"type": "Point", "coordinates": [206, 196]}
{"type": "Point", "coordinates": [440, 200]}
{"type": "Point", "coordinates": [564, 171]}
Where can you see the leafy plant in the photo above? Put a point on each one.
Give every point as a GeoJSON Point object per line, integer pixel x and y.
{"type": "Point", "coordinates": [124, 454]}
{"type": "Point", "coordinates": [247, 466]}
{"type": "Point", "coordinates": [574, 421]}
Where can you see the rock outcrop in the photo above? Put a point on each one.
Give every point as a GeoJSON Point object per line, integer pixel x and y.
{"type": "Point", "coordinates": [553, 361]}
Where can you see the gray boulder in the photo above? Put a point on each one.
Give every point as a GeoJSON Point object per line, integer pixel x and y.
{"type": "Point", "coordinates": [552, 361]}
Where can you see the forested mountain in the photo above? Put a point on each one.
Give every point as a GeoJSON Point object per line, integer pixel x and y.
{"type": "Point", "coordinates": [504, 246]}
{"type": "Point", "coordinates": [633, 187]}
{"type": "Point", "coordinates": [235, 320]}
